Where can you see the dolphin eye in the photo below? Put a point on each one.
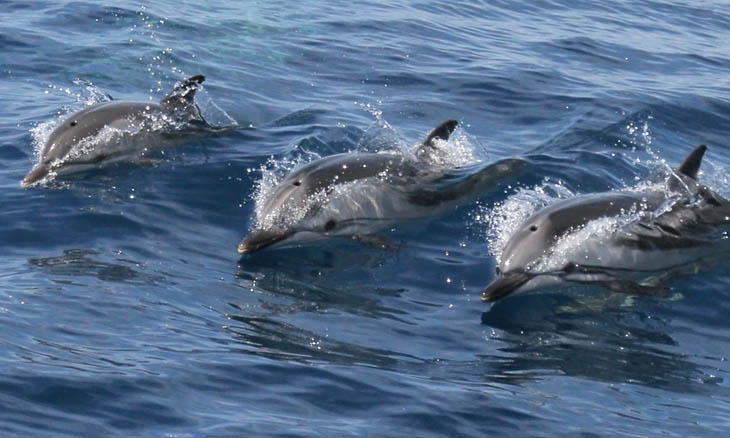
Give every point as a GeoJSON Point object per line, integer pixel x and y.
{"type": "Point", "coordinates": [533, 228]}
{"type": "Point", "coordinates": [329, 225]}
{"type": "Point", "coordinates": [74, 123]}
{"type": "Point", "coordinates": [297, 183]}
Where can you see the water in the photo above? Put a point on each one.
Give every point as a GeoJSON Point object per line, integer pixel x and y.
{"type": "Point", "coordinates": [126, 310]}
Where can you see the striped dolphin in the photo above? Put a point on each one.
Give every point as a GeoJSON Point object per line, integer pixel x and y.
{"type": "Point", "coordinates": [115, 131]}
{"type": "Point", "coordinates": [664, 229]}
{"type": "Point", "coordinates": [357, 194]}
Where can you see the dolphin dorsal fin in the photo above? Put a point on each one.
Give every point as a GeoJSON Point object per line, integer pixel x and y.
{"type": "Point", "coordinates": [428, 150]}
{"type": "Point", "coordinates": [691, 165]}
{"type": "Point", "coordinates": [183, 93]}
{"type": "Point", "coordinates": [441, 132]}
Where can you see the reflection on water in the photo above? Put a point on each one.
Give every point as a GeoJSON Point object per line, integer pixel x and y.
{"type": "Point", "coordinates": [308, 287]}
{"type": "Point", "coordinates": [287, 309]}
{"type": "Point", "coordinates": [281, 340]}
{"type": "Point", "coordinates": [316, 279]}
{"type": "Point", "coordinates": [621, 344]}
{"type": "Point", "coordinates": [79, 263]}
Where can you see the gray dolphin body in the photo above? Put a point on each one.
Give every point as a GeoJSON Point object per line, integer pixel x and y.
{"type": "Point", "coordinates": [664, 230]}
{"type": "Point", "coordinates": [357, 194]}
{"type": "Point", "coordinates": [114, 131]}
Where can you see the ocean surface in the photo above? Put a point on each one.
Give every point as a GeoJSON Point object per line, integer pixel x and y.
{"type": "Point", "coordinates": [125, 309]}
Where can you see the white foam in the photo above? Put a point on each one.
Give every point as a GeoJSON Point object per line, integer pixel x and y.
{"type": "Point", "coordinates": [273, 172]}
{"type": "Point", "coordinates": [503, 219]}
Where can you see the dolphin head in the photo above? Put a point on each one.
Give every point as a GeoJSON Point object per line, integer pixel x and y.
{"type": "Point", "coordinates": [36, 174]}
{"type": "Point", "coordinates": [56, 155]}
{"type": "Point", "coordinates": [262, 238]}
{"type": "Point", "coordinates": [532, 241]}
{"type": "Point", "coordinates": [504, 285]}
{"type": "Point", "coordinates": [316, 200]}
{"type": "Point", "coordinates": [292, 212]}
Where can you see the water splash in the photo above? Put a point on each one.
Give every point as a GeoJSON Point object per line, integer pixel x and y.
{"type": "Point", "coordinates": [215, 117]}
{"type": "Point", "coordinates": [85, 94]}
{"type": "Point", "coordinates": [380, 136]}
{"type": "Point", "coordinates": [503, 219]}
{"type": "Point", "coordinates": [273, 172]}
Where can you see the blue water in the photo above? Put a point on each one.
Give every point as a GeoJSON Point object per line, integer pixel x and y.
{"type": "Point", "coordinates": [126, 311]}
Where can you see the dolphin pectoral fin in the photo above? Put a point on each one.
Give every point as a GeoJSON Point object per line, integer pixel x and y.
{"type": "Point", "coordinates": [148, 162]}
{"type": "Point", "coordinates": [504, 285]}
{"type": "Point", "coordinates": [36, 174]}
{"type": "Point", "coordinates": [593, 275]}
{"type": "Point", "coordinates": [376, 241]}
{"type": "Point", "coordinates": [608, 280]}
{"type": "Point", "coordinates": [441, 132]}
{"type": "Point", "coordinates": [260, 239]}
{"type": "Point", "coordinates": [632, 287]}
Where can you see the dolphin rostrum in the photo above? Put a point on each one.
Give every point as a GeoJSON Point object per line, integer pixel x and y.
{"type": "Point", "coordinates": [643, 233]}
{"type": "Point", "coordinates": [357, 194]}
{"type": "Point", "coordinates": [115, 131]}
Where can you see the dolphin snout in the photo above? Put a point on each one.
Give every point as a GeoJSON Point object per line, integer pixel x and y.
{"type": "Point", "coordinates": [504, 285]}
{"type": "Point", "coordinates": [36, 174]}
{"type": "Point", "coordinates": [259, 239]}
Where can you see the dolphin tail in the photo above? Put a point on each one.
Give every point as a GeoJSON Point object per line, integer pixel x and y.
{"type": "Point", "coordinates": [181, 96]}
{"type": "Point", "coordinates": [691, 165]}
{"type": "Point", "coordinates": [36, 174]}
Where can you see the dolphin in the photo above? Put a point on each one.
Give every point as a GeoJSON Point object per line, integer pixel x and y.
{"type": "Point", "coordinates": [645, 232]}
{"type": "Point", "coordinates": [357, 194]}
{"type": "Point", "coordinates": [114, 131]}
